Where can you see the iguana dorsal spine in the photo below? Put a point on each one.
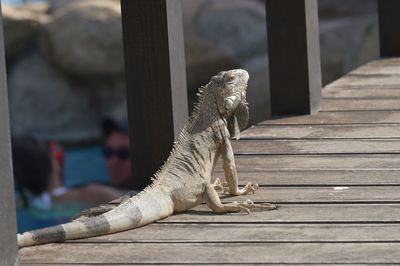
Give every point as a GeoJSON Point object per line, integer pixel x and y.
{"type": "Point", "coordinates": [184, 180]}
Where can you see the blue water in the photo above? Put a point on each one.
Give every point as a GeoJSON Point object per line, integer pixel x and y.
{"type": "Point", "coordinates": [81, 166]}
{"type": "Point", "coordinates": [84, 165]}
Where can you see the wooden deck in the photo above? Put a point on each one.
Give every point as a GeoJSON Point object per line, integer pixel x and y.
{"type": "Point", "coordinates": [335, 176]}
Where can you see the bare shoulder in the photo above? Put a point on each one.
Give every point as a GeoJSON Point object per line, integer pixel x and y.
{"type": "Point", "coordinates": [92, 193]}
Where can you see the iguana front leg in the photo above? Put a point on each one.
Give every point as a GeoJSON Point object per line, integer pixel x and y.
{"type": "Point", "coordinates": [231, 174]}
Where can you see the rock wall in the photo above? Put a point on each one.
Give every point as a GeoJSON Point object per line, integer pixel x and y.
{"type": "Point", "coordinates": [65, 58]}
{"type": "Point", "coordinates": [65, 68]}
{"type": "Point", "coordinates": [237, 29]}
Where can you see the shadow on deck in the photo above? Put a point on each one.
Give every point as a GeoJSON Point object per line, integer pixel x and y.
{"type": "Point", "coordinates": [335, 176]}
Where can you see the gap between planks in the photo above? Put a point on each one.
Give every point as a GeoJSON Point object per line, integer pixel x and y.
{"type": "Point", "coordinates": [217, 252]}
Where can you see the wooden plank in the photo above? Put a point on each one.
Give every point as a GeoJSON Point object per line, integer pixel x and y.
{"type": "Point", "coordinates": [367, 93]}
{"type": "Point", "coordinates": [156, 84]}
{"type": "Point", "coordinates": [335, 206]}
{"type": "Point", "coordinates": [363, 87]}
{"type": "Point", "coordinates": [238, 253]}
{"type": "Point", "coordinates": [297, 213]}
{"type": "Point", "coordinates": [366, 80]}
{"type": "Point", "coordinates": [212, 233]}
{"type": "Point", "coordinates": [294, 58]}
{"type": "Point", "coordinates": [211, 264]}
{"type": "Point", "coordinates": [326, 146]}
{"type": "Point", "coordinates": [369, 70]}
{"type": "Point", "coordinates": [325, 194]}
{"type": "Point", "coordinates": [222, 263]}
{"type": "Point", "coordinates": [337, 104]}
{"type": "Point", "coordinates": [384, 62]}
{"type": "Point", "coordinates": [320, 194]}
{"type": "Point", "coordinates": [316, 162]}
{"type": "Point", "coordinates": [318, 177]}
{"type": "Point", "coordinates": [389, 20]}
{"type": "Point", "coordinates": [328, 118]}
{"type": "Point", "coordinates": [8, 231]}
{"type": "Point", "coordinates": [365, 131]}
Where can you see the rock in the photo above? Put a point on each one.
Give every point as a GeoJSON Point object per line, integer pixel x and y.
{"type": "Point", "coordinates": [44, 102]}
{"type": "Point", "coordinates": [335, 9]}
{"type": "Point", "coordinates": [109, 96]}
{"type": "Point", "coordinates": [85, 38]}
{"type": "Point", "coordinates": [55, 5]}
{"type": "Point", "coordinates": [202, 62]}
{"type": "Point", "coordinates": [258, 89]}
{"type": "Point", "coordinates": [238, 28]}
{"type": "Point", "coordinates": [38, 7]}
{"type": "Point", "coordinates": [369, 47]}
{"type": "Point", "coordinates": [345, 44]}
{"type": "Point", "coordinates": [21, 27]}
{"type": "Point", "coordinates": [217, 37]}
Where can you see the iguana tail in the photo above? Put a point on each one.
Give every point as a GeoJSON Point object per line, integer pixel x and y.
{"type": "Point", "coordinates": [140, 210]}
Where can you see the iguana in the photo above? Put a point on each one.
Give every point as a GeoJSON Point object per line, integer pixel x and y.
{"type": "Point", "coordinates": [184, 180]}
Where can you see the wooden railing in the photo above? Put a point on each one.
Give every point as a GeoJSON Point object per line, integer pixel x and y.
{"type": "Point", "coordinates": [156, 82]}
{"type": "Point", "coordinates": [156, 78]}
{"type": "Point", "coordinates": [8, 230]}
{"type": "Point", "coordinates": [389, 22]}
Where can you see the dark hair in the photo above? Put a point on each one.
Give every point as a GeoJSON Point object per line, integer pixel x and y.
{"type": "Point", "coordinates": [32, 164]}
{"type": "Point", "coordinates": [110, 125]}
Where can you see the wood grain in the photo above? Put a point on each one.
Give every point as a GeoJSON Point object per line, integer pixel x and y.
{"type": "Point", "coordinates": [362, 104]}
{"type": "Point", "coordinates": [325, 194]}
{"type": "Point", "coordinates": [238, 253]}
{"type": "Point", "coordinates": [298, 213]}
{"type": "Point", "coordinates": [261, 163]}
{"type": "Point", "coordinates": [335, 177]}
{"type": "Point", "coordinates": [295, 87]}
{"type": "Point", "coordinates": [238, 232]}
{"type": "Point", "coordinates": [339, 118]}
{"type": "Point", "coordinates": [307, 177]}
{"type": "Point", "coordinates": [368, 146]}
{"type": "Point", "coordinates": [366, 93]}
{"type": "Point", "coordinates": [322, 132]}
{"type": "Point", "coordinates": [370, 70]}
{"type": "Point", "coordinates": [366, 80]}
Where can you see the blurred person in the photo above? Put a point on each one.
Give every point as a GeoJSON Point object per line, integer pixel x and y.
{"type": "Point", "coordinates": [42, 200]}
{"type": "Point", "coordinates": [117, 159]}
{"type": "Point", "coordinates": [116, 152]}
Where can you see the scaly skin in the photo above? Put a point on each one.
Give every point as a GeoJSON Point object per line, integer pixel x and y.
{"type": "Point", "coordinates": [184, 181]}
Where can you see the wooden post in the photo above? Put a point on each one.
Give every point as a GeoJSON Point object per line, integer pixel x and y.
{"type": "Point", "coordinates": [8, 231]}
{"type": "Point", "coordinates": [294, 57]}
{"type": "Point", "coordinates": [389, 23]}
{"type": "Point", "coordinates": [156, 81]}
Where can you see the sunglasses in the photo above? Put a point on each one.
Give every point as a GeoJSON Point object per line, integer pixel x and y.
{"type": "Point", "coordinates": [121, 153]}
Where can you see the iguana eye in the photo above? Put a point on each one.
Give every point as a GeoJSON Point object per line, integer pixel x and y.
{"type": "Point", "coordinates": [230, 78]}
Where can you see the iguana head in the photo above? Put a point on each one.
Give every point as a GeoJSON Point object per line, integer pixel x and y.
{"type": "Point", "coordinates": [229, 90]}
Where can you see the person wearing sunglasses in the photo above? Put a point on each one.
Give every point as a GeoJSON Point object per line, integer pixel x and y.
{"type": "Point", "coordinates": [116, 152]}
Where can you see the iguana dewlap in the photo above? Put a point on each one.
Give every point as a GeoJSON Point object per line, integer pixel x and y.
{"type": "Point", "coordinates": [184, 180]}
